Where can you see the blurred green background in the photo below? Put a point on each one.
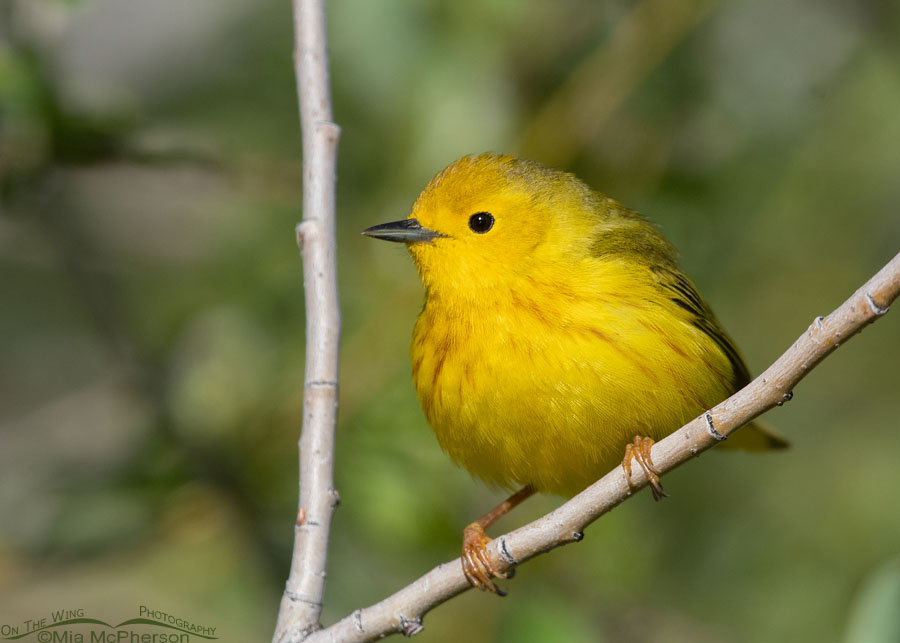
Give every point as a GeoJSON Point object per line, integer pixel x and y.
{"type": "Point", "coordinates": [151, 335]}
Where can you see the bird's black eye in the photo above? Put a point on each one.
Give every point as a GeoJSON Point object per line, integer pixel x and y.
{"type": "Point", "coordinates": [481, 222]}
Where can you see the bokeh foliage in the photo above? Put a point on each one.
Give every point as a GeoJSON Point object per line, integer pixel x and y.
{"type": "Point", "coordinates": [151, 336]}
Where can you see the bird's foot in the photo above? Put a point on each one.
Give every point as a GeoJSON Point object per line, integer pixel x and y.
{"type": "Point", "coordinates": [476, 563]}
{"type": "Point", "coordinates": [640, 450]}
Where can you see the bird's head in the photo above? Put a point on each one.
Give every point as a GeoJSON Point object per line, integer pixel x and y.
{"type": "Point", "coordinates": [487, 221]}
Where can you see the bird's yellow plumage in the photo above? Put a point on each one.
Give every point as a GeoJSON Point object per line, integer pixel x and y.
{"type": "Point", "coordinates": [556, 327]}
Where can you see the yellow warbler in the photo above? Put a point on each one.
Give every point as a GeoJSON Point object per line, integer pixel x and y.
{"type": "Point", "coordinates": [558, 333]}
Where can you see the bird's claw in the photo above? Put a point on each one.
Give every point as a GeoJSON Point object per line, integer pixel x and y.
{"type": "Point", "coordinates": [639, 450]}
{"type": "Point", "coordinates": [476, 563]}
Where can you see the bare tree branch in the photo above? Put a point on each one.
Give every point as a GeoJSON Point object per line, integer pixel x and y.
{"type": "Point", "coordinates": [403, 612]}
{"type": "Point", "coordinates": [301, 603]}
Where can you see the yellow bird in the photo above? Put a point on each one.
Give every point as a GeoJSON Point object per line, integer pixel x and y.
{"type": "Point", "coordinates": [557, 334]}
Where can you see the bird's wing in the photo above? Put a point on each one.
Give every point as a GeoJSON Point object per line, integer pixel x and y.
{"type": "Point", "coordinates": [683, 294]}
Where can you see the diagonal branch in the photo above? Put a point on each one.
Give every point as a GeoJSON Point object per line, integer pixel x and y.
{"type": "Point", "coordinates": [403, 612]}
{"type": "Point", "coordinates": [301, 603]}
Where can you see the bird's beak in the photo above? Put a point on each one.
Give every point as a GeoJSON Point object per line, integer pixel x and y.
{"type": "Point", "coordinates": [407, 231]}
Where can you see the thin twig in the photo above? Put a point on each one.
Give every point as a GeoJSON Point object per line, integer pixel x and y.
{"type": "Point", "coordinates": [403, 612]}
{"type": "Point", "coordinates": [301, 604]}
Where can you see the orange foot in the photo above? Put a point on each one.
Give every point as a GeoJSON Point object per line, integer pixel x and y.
{"type": "Point", "coordinates": [640, 450]}
{"type": "Point", "coordinates": [476, 563]}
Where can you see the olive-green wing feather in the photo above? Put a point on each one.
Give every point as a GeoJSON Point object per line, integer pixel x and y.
{"type": "Point", "coordinates": [683, 294]}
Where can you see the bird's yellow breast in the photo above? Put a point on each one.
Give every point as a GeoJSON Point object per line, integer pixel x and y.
{"type": "Point", "coordinates": [544, 381]}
